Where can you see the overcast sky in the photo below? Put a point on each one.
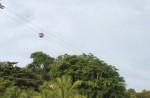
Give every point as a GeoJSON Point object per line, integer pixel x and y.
{"type": "Point", "coordinates": [116, 31]}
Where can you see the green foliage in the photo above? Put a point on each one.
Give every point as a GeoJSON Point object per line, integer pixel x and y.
{"type": "Point", "coordinates": [131, 93]}
{"type": "Point", "coordinates": [63, 88]}
{"type": "Point", "coordinates": [3, 85]}
{"type": "Point", "coordinates": [144, 94]}
{"type": "Point", "coordinates": [16, 92]}
{"type": "Point", "coordinates": [40, 64]}
{"type": "Point", "coordinates": [19, 76]}
{"type": "Point", "coordinates": [47, 77]}
{"type": "Point", "coordinates": [99, 78]}
{"type": "Point", "coordinates": [13, 92]}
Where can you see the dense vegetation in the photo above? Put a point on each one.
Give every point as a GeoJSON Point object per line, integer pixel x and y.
{"type": "Point", "coordinates": [67, 76]}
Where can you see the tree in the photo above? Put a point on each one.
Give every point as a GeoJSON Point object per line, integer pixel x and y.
{"type": "Point", "coordinates": [63, 88]}
{"type": "Point", "coordinates": [40, 64]}
{"type": "Point", "coordinates": [100, 80]}
{"type": "Point", "coordinates": [19, 76]}
{"type": "Point", "coordinates": [3, 85]}
{"type": "Point", "coordinates": [14, 92]}
{"type": "Point", "coordinates": [144, 94]}
{"type": "Point", "coordinates": [131, 93]}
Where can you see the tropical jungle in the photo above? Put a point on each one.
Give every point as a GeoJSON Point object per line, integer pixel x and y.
{"type": "Point", "coordinates": [65, 76]}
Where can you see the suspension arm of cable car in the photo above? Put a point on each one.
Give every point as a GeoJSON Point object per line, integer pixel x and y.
{"type": "Point", "coordinates": [1, 6]}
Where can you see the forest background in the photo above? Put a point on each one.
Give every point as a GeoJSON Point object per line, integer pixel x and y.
{"type": "Point", "coordinates": [67, 76]}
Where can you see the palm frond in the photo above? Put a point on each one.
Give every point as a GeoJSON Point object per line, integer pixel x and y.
{"type": "Point", "coordinates": [76, 84]}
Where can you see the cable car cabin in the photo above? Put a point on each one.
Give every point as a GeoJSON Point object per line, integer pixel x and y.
{"type": "Point", "coordinates": [41, 35]}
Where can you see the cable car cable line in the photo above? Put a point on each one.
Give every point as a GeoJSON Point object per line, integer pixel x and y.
{"type": "Point", "coordinates": [43, 30]}
{"type": "Point", "coordinates": [19, 22]}
{"type": "Point", "coordinates": [54, 50]}
{"type": "Point", "coordinates": [58, 42]}
{"type": "Point", "coordinates": [40, 34]}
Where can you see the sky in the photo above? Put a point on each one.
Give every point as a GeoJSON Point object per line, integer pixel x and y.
{"type": "Point", "coordinates": [116, 31]}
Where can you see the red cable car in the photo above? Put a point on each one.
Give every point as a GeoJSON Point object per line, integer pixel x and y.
{"type": "Point", "coordinates": [41, 35]}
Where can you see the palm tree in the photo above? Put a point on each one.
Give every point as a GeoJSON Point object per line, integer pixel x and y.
{"type": "Point", "coordinates": [63, 88]}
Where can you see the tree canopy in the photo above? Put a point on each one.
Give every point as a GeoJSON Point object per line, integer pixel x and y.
{"type": "Point", "coordinates": [40, 64]}
{"type": "Point", "coordinates": [99, 78]}
{"type": "Point", "coordinates": [66, 76]}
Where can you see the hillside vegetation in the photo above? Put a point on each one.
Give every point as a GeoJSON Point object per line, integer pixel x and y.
{"type": "Point", "coordinates": [67, 76]}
